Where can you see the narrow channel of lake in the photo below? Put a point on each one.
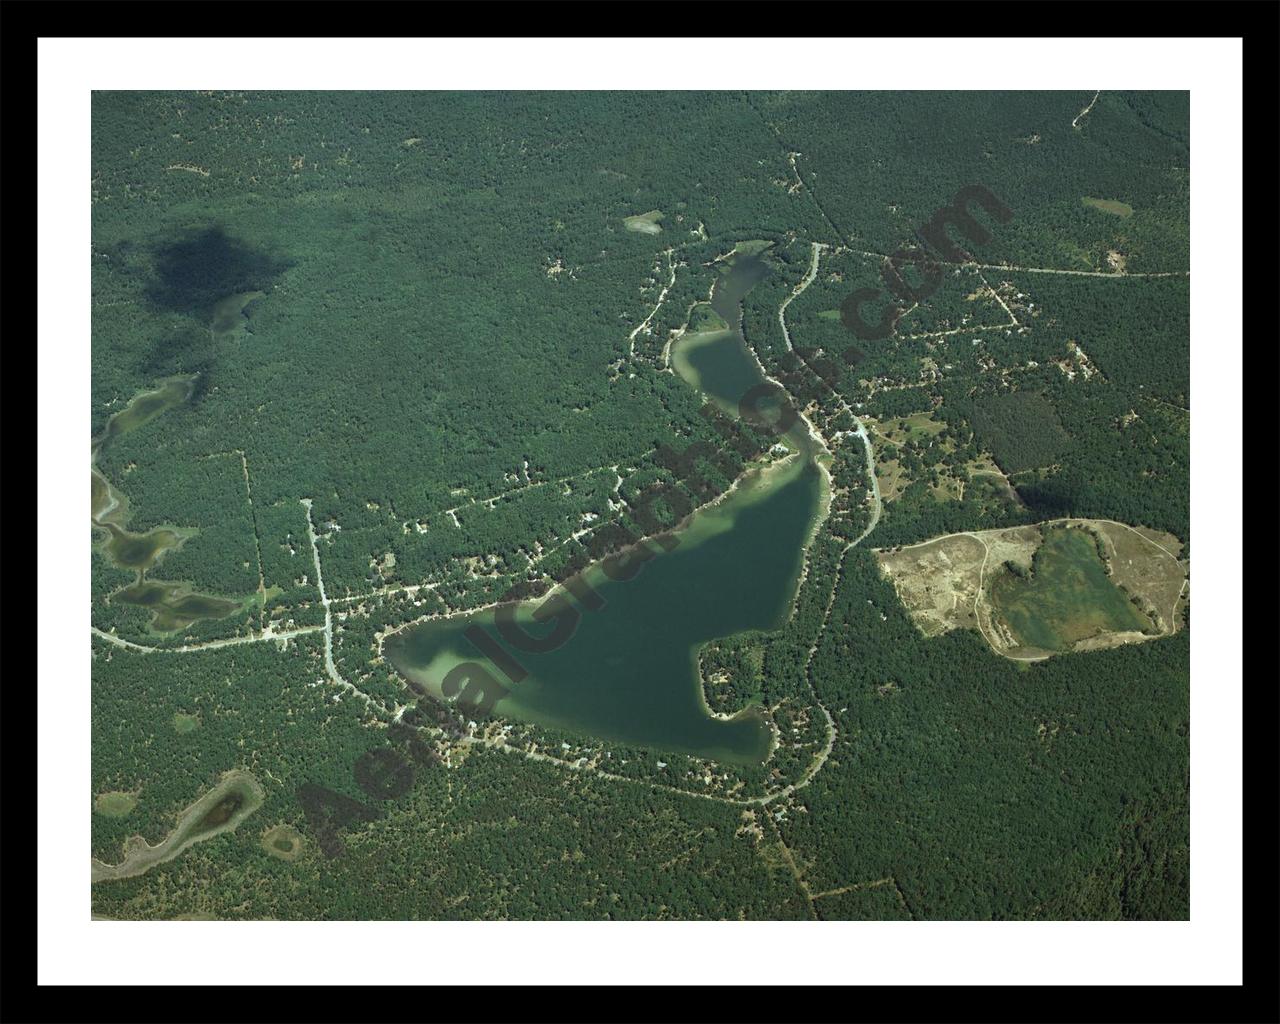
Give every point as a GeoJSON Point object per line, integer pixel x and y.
{"type": "Point", "coordinates": [629, 672]}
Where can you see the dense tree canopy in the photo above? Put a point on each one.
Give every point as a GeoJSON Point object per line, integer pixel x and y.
{"type": "Point", "coordinates": [428, 315]}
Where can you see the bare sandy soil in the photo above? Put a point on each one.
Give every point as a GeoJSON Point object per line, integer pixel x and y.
{"type": "Point", "coordinates": [944, 583]}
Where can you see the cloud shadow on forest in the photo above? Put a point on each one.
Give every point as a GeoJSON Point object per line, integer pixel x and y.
{"type": "Point", "coordinates": [203, 266]}
{"type": "Point", "coordinates": [192, 273]}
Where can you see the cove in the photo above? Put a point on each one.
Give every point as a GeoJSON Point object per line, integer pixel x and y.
{"type": "Point", "coordinates": [141, 551]}
{"type": "Point", "coordinates": [629, 671]}
{"type": "Point", "coordinates": [147, 406]}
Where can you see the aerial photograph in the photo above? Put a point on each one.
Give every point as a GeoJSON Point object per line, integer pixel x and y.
{"type": "Point", "coordinates": [640, 506]}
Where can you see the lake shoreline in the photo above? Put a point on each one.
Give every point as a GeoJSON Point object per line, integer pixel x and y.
{"type": "Point", "coordinates": [773, 509]}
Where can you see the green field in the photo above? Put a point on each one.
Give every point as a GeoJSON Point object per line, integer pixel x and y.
{"type": "Point", "coordinates": [1112, 206]}
{"type": "Point", "coordinates": [115, 805]}
{"type": "Point", "coordinates": [184, 723]}
{"type": "Point", "coordinates": [644, 223]}
{"type": "Point", "coordinates": [1068, 596]}
{"type": "Point", "coordinates": [283, 842]}
{"type": "Point", "coordinates": [704, 318]}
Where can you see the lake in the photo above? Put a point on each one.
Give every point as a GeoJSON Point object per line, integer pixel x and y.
{"type": "Point", "coordinates": [628, 672]}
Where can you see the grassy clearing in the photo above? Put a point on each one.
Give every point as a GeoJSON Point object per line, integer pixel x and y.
{"type": "Point", "coordinates": [283, 841]}
{"type": "Point", "coordinates": [115, 804]}
{"type": "Point", "coordinates": [704, 318]}
{"type": "Point", "coordinates": [184, 723]}
{"type": "Point", "coordinates": [908, 450]}
{"type": "Point", "coordinates": [1145, 563]}
{"type": "Point", "coordinates": [988, 483]}
{"type": "Point", "coordinates": [891, 477]}
{"type": "Point", "coordinates": [644, 223]}
{"type": "Point", "coordinates": [920, 426]}
{"type": "Point", "coordinates": [1111, 206]}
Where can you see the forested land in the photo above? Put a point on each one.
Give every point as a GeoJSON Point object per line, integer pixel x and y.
{"type": "Point", "coordinates": [420, 311]}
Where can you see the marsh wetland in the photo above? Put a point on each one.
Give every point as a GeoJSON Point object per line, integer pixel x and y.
{"type": "Point", "coordinates": [234, 798]}
{"type": "Point", "coordinates": [174, 605]}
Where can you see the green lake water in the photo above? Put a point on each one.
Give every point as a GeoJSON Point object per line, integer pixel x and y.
{"type": "Point", "coordinates": [718, 364]}
{"type": "Point", "coordinates": [1069, 596]}
{"type": "Point", "coordinates": [628, 672]}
